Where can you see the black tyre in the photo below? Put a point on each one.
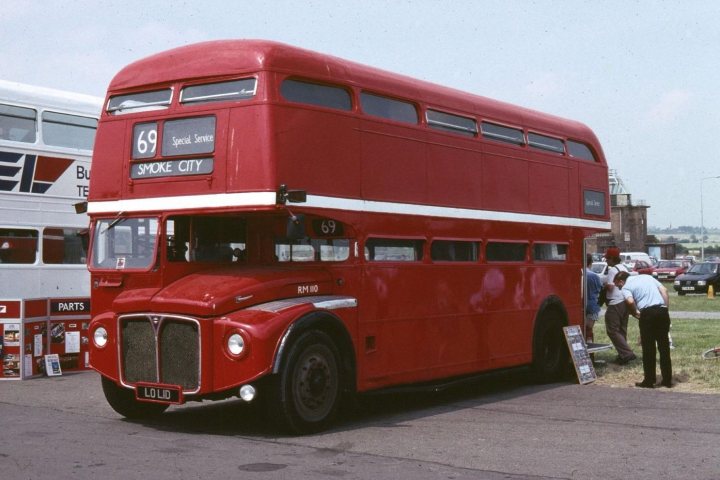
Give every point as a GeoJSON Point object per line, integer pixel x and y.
{"type": "Point", "coordinates": [550, 353]}
{"type": "Point", "coordinates": [307, 392]}
{"type": "Point", "coordinates": [123, 402]}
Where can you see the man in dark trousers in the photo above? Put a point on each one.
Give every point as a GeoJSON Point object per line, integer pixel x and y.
{"type": "Point", "coordinates": [648, 301]}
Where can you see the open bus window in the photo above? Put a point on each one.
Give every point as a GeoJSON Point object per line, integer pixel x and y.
{"type": "Point", "coordinates": [550, 252]}
{"type": "Point", "coordinates": [213, 239]}
{"type": "Point", "coordinates": [18, 124]}
{"type": "Point", "coordinates": [125, 243]}
{"type": "Point", "coordinates": [312, 249]}
{"type": "Point", "coordinates": [242, 89]}
{"type": "Point", "coordinates": [64, 246]}
{"type": "Point", "coordinates": [393, 250]}
{"type": "Point", "coordinates": [18, 245]}
{"type": "Point", "coordinates": [139, 101]}
{"type": "Point", "coordinates": [63, 130]}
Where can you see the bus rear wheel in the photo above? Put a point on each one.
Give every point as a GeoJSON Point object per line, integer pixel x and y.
{"type": "Point", "coordinates": [123, 402]}
{"type": "Point", "coordinates": [550, 354]}
{"type": "Point", "coordinates": [308, 390]}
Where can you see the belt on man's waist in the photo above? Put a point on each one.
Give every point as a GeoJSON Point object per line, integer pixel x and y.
{"type": "Point", "coordinates": [652, 307]}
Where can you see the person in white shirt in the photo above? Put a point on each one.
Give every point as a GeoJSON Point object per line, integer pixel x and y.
{"type": "Point", "coordinates": [647, 299]}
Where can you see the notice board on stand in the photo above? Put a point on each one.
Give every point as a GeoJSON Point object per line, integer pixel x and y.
{"type": "Point", "coordinates": [580, 356]}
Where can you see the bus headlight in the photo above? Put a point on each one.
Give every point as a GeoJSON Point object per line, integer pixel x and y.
{"type": "Point", "coordinates": [100, 337]}
{"type": "Point", "coordinates": [702, 283]}
{"type": "Point", "coordinates": [235, 344]}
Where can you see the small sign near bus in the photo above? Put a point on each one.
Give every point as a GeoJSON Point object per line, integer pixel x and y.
{"type": "Point", "coordinates": [172, 168]}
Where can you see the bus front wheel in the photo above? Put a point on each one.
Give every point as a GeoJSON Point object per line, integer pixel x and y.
{"type": "Point", "coordinates": [307, 392]}
{"type": "Point", "coordinates": [123, 402]}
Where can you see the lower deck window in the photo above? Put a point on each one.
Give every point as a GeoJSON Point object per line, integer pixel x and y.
{"type": "Point", "coordinates": [18, 245]}
{"type": "Point", "coordinates": [454, 251]}
{"type": "Point", "coordinates": [65, 246]}
{"type": "Point", "coordinates": [312, 250]}
{"type": "Point", "coordinates": [550, 252]}
{"type": "Point", "coordinates": [506, 252]}
{"type": "Point", "coordinates": [393, 250]}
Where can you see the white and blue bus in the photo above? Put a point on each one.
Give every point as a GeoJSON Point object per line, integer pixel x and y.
{"type": "Point", "coordinates": [46, 141]}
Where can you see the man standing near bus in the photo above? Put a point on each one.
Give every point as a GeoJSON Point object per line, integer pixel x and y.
{"type": "Point", "coordinates": [616, 315]}
{"type": "Point", "coordinates": [593, 285]}
{"type": "Point", "coordinates": [648, 301]}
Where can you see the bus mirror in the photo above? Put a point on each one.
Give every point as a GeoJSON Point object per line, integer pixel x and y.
{"type": "Point", "coordinates": [296, 227]}
{"type": "Point", "coordinates": [293, 196]}
{"type": "Point", "coordinates": [80, 207]}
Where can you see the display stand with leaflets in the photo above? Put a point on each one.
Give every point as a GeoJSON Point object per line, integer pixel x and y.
{"type": "Point", "coordinates": [30, 329]}
{"type": "Point", "coordinates": [69, 321]}
{"type": "Point", "coordinates": [23, 325]}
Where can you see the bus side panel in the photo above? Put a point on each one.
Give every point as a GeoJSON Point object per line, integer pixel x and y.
{"type": "Point", "coordinates": [394, 167]}
{"type": "Point", "coordinates": [250, 158]}
{"type": "Point", "coordinates": [549, 193]}
{"type": "Point", "coordinates": [505, 179]}
{"type": "Point", "coordinates": [450, 182]}
{"type": "Point", "coordinates": [318, 151]}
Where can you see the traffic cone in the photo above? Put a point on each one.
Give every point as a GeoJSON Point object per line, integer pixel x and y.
{"type": "Point", "coordinates": [711, 291]}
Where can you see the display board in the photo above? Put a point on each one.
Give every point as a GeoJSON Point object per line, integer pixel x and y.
{"type": "Point", "coordinates": [580, 355]}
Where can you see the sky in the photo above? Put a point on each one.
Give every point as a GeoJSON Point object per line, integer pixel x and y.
{"type": "Point", "coordinates": [644, 75]}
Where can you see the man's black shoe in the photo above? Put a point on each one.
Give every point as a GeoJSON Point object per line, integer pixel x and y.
{"type": "Point", "coordinates": [644, 385]}
{"type": "Point", "coordinates": [667, 384]}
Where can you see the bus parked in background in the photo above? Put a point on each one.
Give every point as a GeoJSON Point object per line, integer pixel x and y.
{"type": "Point", "coordinates": [281, 225]}
{"type": "Point", "coordinates": [46, 140]}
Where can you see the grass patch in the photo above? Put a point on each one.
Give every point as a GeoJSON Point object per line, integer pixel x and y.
{"type": "Point", "coordinates": [693, 302]}
{"type": "Point", "coordinates": [691, 337]}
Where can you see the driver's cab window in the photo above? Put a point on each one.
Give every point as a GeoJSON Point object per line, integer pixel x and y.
{"type": "Point", "coordinates": [205, 239]}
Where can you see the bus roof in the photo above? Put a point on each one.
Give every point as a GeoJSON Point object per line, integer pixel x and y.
{"type": "Point", "coordinates": [236, 57]}
{"type": "Point", "coordinates": [43, 97]}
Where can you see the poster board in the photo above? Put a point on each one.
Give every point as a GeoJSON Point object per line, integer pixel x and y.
{"type": "Point", "coordinates": [580, 356]}
{"type": "Point", "coordinates": [52, 365]}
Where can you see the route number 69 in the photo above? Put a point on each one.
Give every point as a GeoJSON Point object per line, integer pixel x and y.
{"type": "Point", "coordinates": [145, 140]}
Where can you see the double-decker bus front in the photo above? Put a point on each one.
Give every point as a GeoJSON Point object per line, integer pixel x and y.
{"type": "Point", "coordinates": [198, 267]}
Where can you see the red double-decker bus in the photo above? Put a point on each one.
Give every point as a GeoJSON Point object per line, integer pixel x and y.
{"type": "Point", "coordinates": [294, 228]}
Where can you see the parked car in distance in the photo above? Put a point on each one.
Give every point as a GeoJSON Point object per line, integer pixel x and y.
{"type": "Point", "coordinates": [698, 278]}
{"type": "Point", "coordinates": [643, 267]}
{"type": "Point", "coordinates": [669, 269]}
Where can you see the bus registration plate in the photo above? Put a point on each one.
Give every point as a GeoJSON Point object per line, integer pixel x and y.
{"type": "Point", "coordinates": [147, 392]}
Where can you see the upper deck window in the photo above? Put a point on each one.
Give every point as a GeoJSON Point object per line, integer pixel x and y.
{"type": "Point", "coordinates": [389, 108]}
{"type": "Point", "coordinates": [18, 124]}
{"type": "Point", "coordinates": [63, 130]}
{"type": "Point", "coordinates": [502, 133]}
{"type": "Point", "coordinates": [315, 94]}
{"type": "Point", "coordinates": [139, 102]}
{"type": "Point", "coordinates": [542, 142]}
{"type": "Point", "coordinates": [451, 123]}
{"type": "Point", "coordinates": [580, 150]}
{"type": "Point", "coordinates": [219, 92]}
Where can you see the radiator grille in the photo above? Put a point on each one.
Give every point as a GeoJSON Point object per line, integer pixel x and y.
{"type": "Point", "coordinates": [160, 349]}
